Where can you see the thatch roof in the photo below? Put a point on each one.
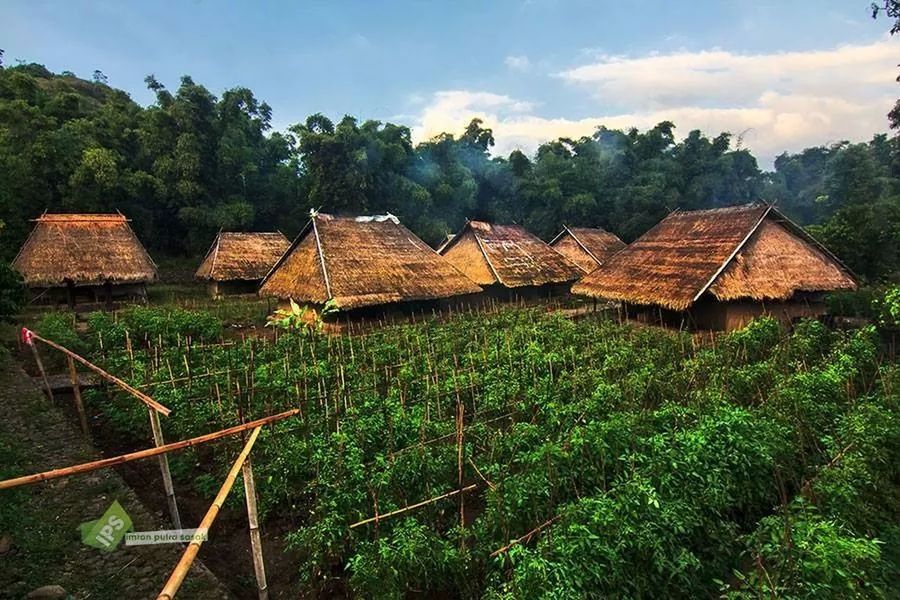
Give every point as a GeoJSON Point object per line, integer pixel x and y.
{"type": "Point", "coordinates": [507, 255]}
{"type": "Point", "coordinates": [242, 256]}
{"type": "Point", "coordinates": [85, 249]}
{"type": "Point", "coordinates": [587, 248]}
{"type": "Point", "coordinates": [750, 251]}
{"type": "Point", "coordinates": [362, 261]}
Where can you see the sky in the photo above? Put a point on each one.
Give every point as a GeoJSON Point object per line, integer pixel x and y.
{"type": "Point", "coordinates": [779, 75]}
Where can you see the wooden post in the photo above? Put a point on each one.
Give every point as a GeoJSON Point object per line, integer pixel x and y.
{"type": "Point", "coordinates": [164, 467]}
{"type": "Point", "coordinates": [181, 569]}
{"type": "Point", "coordinates": [460, 413]}
{"type": "Point", "coordinates": [107, 289]}
{"type": "Point", "coordinates": [40, 366]}
{"type": "Point", "coordinates": [259, 565]}
{"type": "Point", "coordinates": [76, 393]}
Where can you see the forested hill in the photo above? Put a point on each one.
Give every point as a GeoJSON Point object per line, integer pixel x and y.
{"type": "Point", "coordinates": [192, 163]}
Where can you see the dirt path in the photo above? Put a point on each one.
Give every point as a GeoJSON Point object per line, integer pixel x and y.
{"type": "Point", "coordinates": [40, 543]}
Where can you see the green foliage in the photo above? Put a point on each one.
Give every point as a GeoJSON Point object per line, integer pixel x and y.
{"type": "Point", "coordinates": [59, 327]}
{"type": "Point", "coordinates": [888, 307]}
{"type": "Point", "coordinates": [297, 318]}
{"type": "Point", "coordinates": [181, 169]}
{"type": "Point", "coordinates": [853, 303]}
{"type": "Point", "coordinates": [414, 557]}
{"type": "Point", "coordinates": [645, 465]}
{"type": "Point", "coordinates": [169, 325]}
{"type": "Point", "coordinates": [800, 554]}
{"type": "Point", "coordinates": [12, 293]}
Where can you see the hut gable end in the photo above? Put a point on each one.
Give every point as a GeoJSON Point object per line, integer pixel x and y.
{"type": "Point", "coordinates": [588, 248]}
{"type": "Point", "coordinates": [775, 264]}
{"type": "Point", "coordinates": [299, 273]}
{"type": "Point", "coordinates": [729, 252]}
{"type": "Point", "coordinates": [514, 257]}
{"type": "Point", "coordinates": [364, 261]}
{"type": "Point", "coordinates": [242, 256]}
{"type": "Point", "coordinates": [468, 256]}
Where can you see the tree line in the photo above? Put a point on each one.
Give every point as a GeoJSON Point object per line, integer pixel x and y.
{"type": "Point", "coordinates": [192, 163]}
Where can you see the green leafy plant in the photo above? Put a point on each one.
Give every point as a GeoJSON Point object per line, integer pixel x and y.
{"type": "Point", "coordinates": [607, 460]}
{"type": "Point", "coordinates": [12, 293]}
{"type": "Point", "coordinates": [301, 318]}
{"type": "Point", "coordinates": [888, 308]}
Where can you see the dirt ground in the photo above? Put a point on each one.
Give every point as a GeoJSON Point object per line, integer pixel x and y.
{"type": "Point", "coordinates": [40, 543]}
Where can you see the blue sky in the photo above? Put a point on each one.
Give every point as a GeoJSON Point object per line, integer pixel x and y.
{"type": "Point", "coordinates": [785, 74]}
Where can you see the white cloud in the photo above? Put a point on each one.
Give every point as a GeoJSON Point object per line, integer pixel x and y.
{"type": "Point", "coordinates": [518, 63]}
{"type": "Point", "coordinates": [784, 101]}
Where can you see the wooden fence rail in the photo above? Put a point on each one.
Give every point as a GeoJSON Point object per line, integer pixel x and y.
{"type": "Point", "coordinates": [140, 454]}
{"type": "Point", "coordinates": [105, 375]}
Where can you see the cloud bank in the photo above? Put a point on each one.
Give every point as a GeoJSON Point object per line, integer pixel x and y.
{"type": "Point", "coordinates": [779, 101]}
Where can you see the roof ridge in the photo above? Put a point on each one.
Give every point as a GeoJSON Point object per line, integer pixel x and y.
{"type": "Point", "coordinates": [734, 253]}
{"type": "Point", "coordinates": [483, 251]}
{"type": "Point", "coordinates": [583, 247]}
{"type": "Point", "coordinates": [321, 254]}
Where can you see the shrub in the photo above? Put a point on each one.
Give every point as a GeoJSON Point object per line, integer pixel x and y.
{"type": "Point", "coordinates": [887, 308]}
{"type": "Point", "coordinates": [59, 327]}
{"type": "Point", "coordinates": [12, 293]}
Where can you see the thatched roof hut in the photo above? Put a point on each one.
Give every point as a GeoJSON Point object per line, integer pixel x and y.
{"type": "Point", "coordinates": [743, 254]}
{"type": "Point", "coordinates": [83, 250]}
{"type": "Point", "coordinates": [241, 260]}
{"type": "Point", "coordinates": [508, 256]}
{"type": "Point", "coordinates": [362, 261]}
{"type": "Point", "coordinates": [588, 248]}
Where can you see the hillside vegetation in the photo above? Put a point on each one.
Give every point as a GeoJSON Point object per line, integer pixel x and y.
{"type": "Point", "coordinates": [192, 163]}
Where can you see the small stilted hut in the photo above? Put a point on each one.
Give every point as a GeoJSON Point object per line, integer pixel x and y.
{"type": "Point", "coordinates": [363, 265]}
{"type": "Point", "coordinates": [717, 269]}
{"type": "Point", "coordinates": [510, 262]}
{"type": "Point", "coordinates": [237, 262]}
{"type": "Point", "coordinates": [587, 248]}
{"type": "Point", "coordinates": [76, 257]}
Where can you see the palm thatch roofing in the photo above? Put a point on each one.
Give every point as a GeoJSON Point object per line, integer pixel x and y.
{"type": "Point", "coordinates": [507, 255]}
{"type": "Point", "coordinates": [741, 252]}
{"type": "Point", "coordinates": [588, 248]}
{"type": "Point", "coordinates": [84, 249]}
{"type": "Point", "coordinates": [242, 256]}
{"type": "Point", "coordinates": [362, 261]}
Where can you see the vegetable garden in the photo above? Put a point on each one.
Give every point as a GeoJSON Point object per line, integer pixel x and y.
{"type": "Point", "coordinates": [521, 454]}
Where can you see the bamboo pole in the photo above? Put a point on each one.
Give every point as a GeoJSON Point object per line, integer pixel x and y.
{"type": "Point", "coordinates": [141, 454]}
{"type": "Point", "coordinates": [459, 462]}
{"type": "Point", "coordinates": [164, 468]}
{"type": "Point", "coordinates": [107, 376]}
{"type": "Point", "coordinates": [181, 569]}
{"type": "Point", "coordinates": [40, 366]}
{"type": "Point", "coordinates": [468, 488]}
{"type": "Point", "coordinates": [76, 393]}
{"type": "Point", "coordinates": [259, 565]}
{"type": "Point", "coordinates": [526, 537]}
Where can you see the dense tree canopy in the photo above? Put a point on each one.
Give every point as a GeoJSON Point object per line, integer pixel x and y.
{"type": "Point", "coordinates": [192, 163]}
